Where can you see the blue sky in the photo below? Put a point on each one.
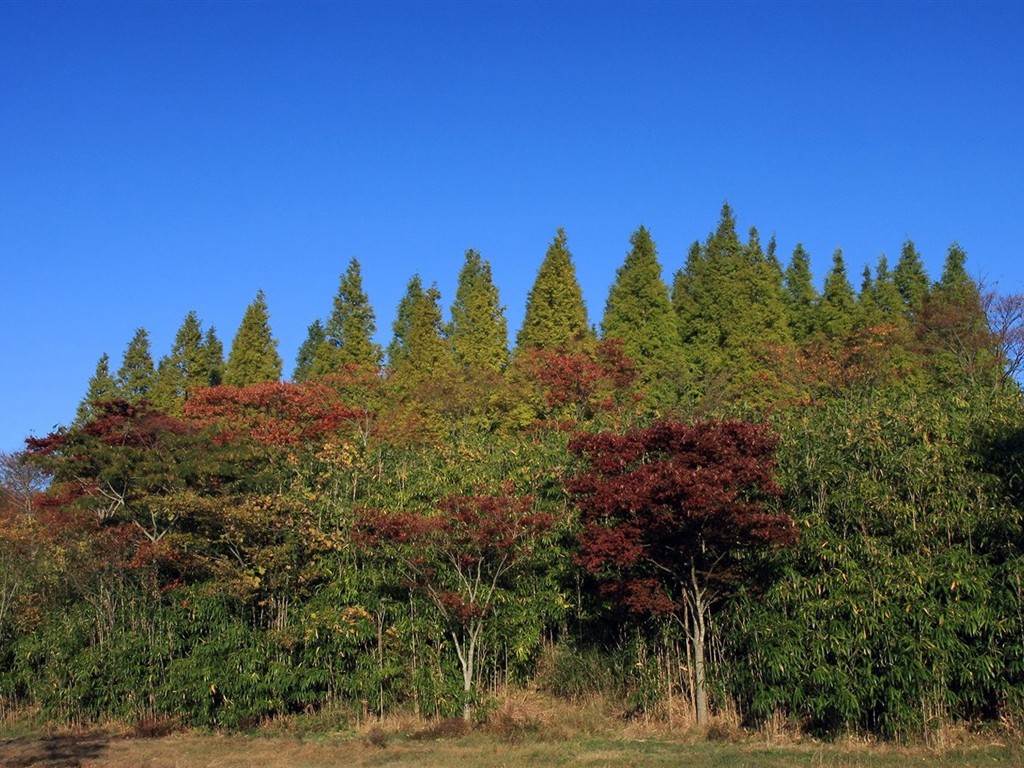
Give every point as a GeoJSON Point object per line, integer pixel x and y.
{"type": "Point", "coordinates": [161, 157]}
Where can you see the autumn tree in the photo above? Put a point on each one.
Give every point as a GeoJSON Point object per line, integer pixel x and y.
{"type": "Point", "coordinates": [253, 357]}
{"type": "Point", "coordinates": [669, 514]}
{"type": "Point", "coordinates": [466, 558]}
{"type": "Point", "coordinates": [639, 313]}
{"type": "Point", "coordinates": [478, 333]}
{"type": "Point", "coordinates": [135, 376]}
{"type": "Point", "coordinates": [555, 313]}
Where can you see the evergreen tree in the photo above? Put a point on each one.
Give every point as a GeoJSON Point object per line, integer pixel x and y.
{"type": "Point", "coordinates": [556, 316]}
{"type": "Point", "coordinates": [315, 337]}
{"type": "Point", "coordinates": [398, 349]}
{"type": "Point", "coordinates": [887, 293]}
{"type": "Point", "coordinates": [186, 368]}
{"type": "Point", "coordinates": [801, 296]}
{"type": "Point", "coordinates": [639, 312]}
{"type": "Point", "coordinates": [837, 310]}
{"type": "Point", "coordinates": [135, 377]}
{"type": "Point", "coordinates": [253, 357]}
{"type": "Point", "coordinates": [911, 279]}
{"type": "Point", "coordinates": [868, 313]}
{"type": "Point", "coordinates": [349, 331]}
{"type": "Point", "coordinates": [730, 306]}
{"type": "Point", "coordinates": [101, 387]}
{"type": "Point", "coordinates": [478, 332]}
{"type": "Point", "coordinates": [214, 357]}
{"type": "Point", "coordinates": [426, 355]}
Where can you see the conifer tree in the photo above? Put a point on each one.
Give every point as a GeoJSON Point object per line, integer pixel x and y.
{"type": "Point", "coordinates": [639, 313]}
{"type": "Point", "coordinates": [135, 377]}
{"type": "Point", "coordinates": [425, 354]}
{"type": "Point", "coordinates": [186, 368]}
{"type": "Point", "coordinates": [911, 278]}
{"type": "Point", "coordinates": [398, 349]}
{"type": "Point", "coordinates": [349, 331]}
{"type": "Point", "coordinates": [868, 314]}
{"type": "Point", "coordinates": [887, 293]}
{"type": "Point", "coordinates": [478, 332]}
{"type": "Point", "coordinates": [315, 336]}
{"type": "Point", "coordinates": [801, 296]}
{"type": "Point", "coordinates": [101, 387]}
{"type": "Point", "coordinates": [214, 357]}
{"type": "Point", "coordinates": [836, 313]}
{"type": "Point", "coordinates": [556, 317]}
{"type": "Point", "coordinates": [253, 357]}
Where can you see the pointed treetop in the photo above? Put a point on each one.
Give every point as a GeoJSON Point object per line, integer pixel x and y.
{"type": "Point", "coordinates": [315, 337]}
{"type": "Point", "coordinates": [214, 357]}
{"type": "Point", "coordinates": [639, 313]}
{"type": "Point", "coordinates": [187, 367]}
{"type": "Point", "coordinates": [478, 332]}
{"type": "Point", "coordinates": [253, 358]}
{"type": "Point", "coordinates": [911, 279]}
{"type": "Point", "coordinates": [556, 316]}
{"type": "Point", "coordinates": [836, 314]}
{"type": "Point", "coordinates": [349, 331]}
{"type": "Point", "coordinates": [398, 349]}
{"type": "Point", "coordinates": [135, 376]}
{"type": "Point", "coordinates": [101, 387]}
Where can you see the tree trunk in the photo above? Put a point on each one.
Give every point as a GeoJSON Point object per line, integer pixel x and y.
{"type": "Point", "coordinates": [699, 634]}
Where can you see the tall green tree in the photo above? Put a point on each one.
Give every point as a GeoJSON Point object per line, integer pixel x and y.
{"type": "Point", "coordinates": [801, 295]}
{"type": "Point", "coordinates": [837, 310]}
{"type": "Point", "coordinates": [315, 336]}
{"type": "Point", "coordinates": [186, 368]}
{"type": "Point", "coordinates": [349, 330]}
{"type": "Point", "coordinates": [556, 316]}
{"type": "Point", "coordinates": [639, 313]}
{"type": "Point", "coordinates": [911, 278]}
{"type": "Point", "coordinates": [101, 387]}
{"type": "Point", "coordinates": [135, 376]}
{"type": "Point", "coordinates": [478, 332]}
{"type": "Point", "coordinates": [887, 292]}
{"type": "Point", "coordinates": [426, 355]}
{"type": "Point", "coordinates": [214, 357]}
{"type": "Point", "coordinates": [253, 357]}
{"type": "Point", "coordinates": [401, 328]}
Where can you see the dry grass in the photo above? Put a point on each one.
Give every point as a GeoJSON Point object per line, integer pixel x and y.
{"type": "Point", "coordinates": [525, 728]}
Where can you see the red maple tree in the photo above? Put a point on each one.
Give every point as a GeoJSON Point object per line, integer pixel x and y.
{"type": "Point", "coordinates": [668, 513]}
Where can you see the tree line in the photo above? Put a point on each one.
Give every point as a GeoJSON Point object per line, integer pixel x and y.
{"type": "Point", "coordinates": [742, 492]}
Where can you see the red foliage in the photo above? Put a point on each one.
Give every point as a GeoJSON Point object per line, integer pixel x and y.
{"type": "Point", "coordinates": [671, 502]}
{"type": "Point", "coordinates": [581, 384]}
{"type": "Point", "coordinates": [278, 414]}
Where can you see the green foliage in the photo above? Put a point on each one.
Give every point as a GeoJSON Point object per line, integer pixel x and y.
{"type": "Point", "coordinates": [350, 329]}
{"type": "Point", "coordinates": [135, 376]}
{"type": "Point", "coordinates": [188, 366]}
{"type": "Point", "coordinates": [478, 332]}
{"type": "Point", "coordinates": [315, 337]}
{"type": "Point", "coordinates": [837, 311]}
{"type": "Point", "coordinates": [254, 355]}
{"type": "Point", "coordinates": [101, 387]}
{"type": "Point", "coordinates": [639, 313]}
{"type": "Point", "coordinates": [556, 316]}
{"type": "Point", "coordinates": [801, 296]}
{"type": "Point", "coordinates": [911, 279]}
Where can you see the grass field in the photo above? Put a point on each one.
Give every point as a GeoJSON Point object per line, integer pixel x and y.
{"type": "Point", "coordinates": [191, 750]}
{"type": "Point", "coordinates": [525, 730]}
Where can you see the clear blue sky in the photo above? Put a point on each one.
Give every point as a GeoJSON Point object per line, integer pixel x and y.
{"type": "Point", "coordinates": [162, 157]}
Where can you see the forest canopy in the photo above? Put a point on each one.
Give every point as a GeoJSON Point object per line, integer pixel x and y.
{"type": "Point", "coordinates": [792, 502]}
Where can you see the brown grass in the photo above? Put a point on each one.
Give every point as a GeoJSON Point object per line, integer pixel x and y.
{"type": "Point", "coordinates": [525, 728]}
